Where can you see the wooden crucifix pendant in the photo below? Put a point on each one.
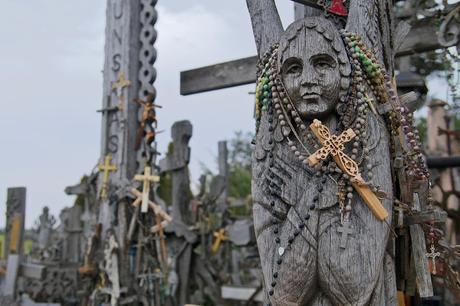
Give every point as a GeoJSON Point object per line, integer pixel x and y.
{"type": "Point", "coordinates": [345, 230]}
{"type": "Point", "coordinates": [335, 145]}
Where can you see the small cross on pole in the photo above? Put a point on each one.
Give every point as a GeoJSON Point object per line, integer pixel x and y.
{"type": "Point", "coordinates": [345, 230]}
{"type": "Point", "coordinates": [106, 167]}
{"type": "Point", "coordinates": [220, 236]}
{"type": "Point", "coordinates": [335, 145]}
{"type": "Point", "coordinates": [147, 178]}
{"type": "Point", "coordinates": [121, 83]}
{"type": "Point", "coordinates": [433, 256]}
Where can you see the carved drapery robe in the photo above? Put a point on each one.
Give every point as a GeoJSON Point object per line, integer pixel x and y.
{"type": "Point", "coordinates": [314, 269]}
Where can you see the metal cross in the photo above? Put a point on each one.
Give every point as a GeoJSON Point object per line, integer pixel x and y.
{"type": "Point", "coordinates": [106, 167]}
{"type": "Point", "coordinates": [335, 145]}
{"type": "Point", "coordinates": [220, 236]}
{"type": "Point", "coordinates": [345, 230]}
{"type": "Point", "coordinates": [121, 83]}
{"type": "Point", "coordinates": [147, 178]}
{"type": "Point", "coordinates": [433, 256]}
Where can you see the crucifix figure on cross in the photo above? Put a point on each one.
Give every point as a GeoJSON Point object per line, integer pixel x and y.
{"type": "Point", "coordinates": [147, 178]}
{"type": "Point", "coordinates": [106, 167]}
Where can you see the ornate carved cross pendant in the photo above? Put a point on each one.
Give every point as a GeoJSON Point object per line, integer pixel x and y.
{"type": "Point", "coordinates": [433, 255]}
{"type": "Point", "coordinates": [106, 168]}
{"type": "Point", "coordinates": [146, 179]}
{"type": "Point", "coordinates": [334, 145]}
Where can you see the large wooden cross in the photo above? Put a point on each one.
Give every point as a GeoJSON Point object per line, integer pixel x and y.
{"type": "Point", "coordinates": [146, 179]}
{"type": "Point", "coordinates": [334, 145]}
{"type": "Point", "coordinates": [422, 37]}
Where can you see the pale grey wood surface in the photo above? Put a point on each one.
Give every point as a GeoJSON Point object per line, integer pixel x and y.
{"type": "Point", "coordinates": [265, 14]}
{"type": "Point", "coordinates": [315, 269]}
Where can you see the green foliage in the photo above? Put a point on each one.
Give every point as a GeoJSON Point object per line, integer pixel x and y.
{"type": "Point", "coordinates": [421, 125]}
{"type": "Point", "coordinates": [239, 153]}
{"type": "Point", "coordinates": [165, 188]}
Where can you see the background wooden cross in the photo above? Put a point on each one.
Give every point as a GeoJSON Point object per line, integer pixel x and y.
{"type": "Point", "coordinates": [220, 236]}
{"type": "Point", "coordinates": [146, 178]}
{"type": "Point", "coordinates": [334, 146]}
{"type": "Point", "coordinates": [106, 168]}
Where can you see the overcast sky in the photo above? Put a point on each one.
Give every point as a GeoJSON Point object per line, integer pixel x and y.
{"type": "Point", "coordinates": [51, 58]}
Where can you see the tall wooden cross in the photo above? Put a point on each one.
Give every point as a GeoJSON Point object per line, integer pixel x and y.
{"type": "Point", "coordinates": [146, 179]}
{"type": "Point", "coordinates": [128, 75]}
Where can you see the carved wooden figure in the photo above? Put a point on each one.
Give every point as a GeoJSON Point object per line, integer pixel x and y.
{"type": "Point", "coordinates": [320, 244]}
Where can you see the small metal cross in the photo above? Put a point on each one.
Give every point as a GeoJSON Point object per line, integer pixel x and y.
{"type": "Point", "coordinates": [121, 83]}
{"type": "Point", "coordinates": [433, 256]}
{"type": "Point", "coordinates": [106, 167]}
{"type": "Point", "coordinates": [345, 230]}
{"type": "Point", "coordinates": [220, 236]}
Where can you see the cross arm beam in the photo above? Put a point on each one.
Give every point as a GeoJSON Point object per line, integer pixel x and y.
{"type": "Point", "coordinates": [219, 76]}
{"type": "Point", "coordinates": [421, 38]}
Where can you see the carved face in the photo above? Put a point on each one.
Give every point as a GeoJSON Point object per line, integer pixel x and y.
{"type": "Point", "coordinates": [310, 73]}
